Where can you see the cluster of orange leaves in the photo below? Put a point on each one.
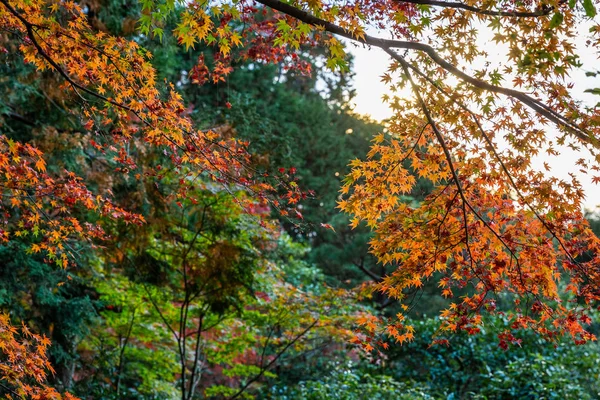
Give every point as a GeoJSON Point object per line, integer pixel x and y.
{"type": "Point", "coordinates": [498, 227]}
{"type": "Point", "coordinates": [24, 363]}
{"type": "Point", "coordinates": [117, 84]}
{"type": "Point", "coordinates": [45, 208]}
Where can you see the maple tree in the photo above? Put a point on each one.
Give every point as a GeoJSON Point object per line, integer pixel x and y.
{"type": "Point", "coordinates": [471, 126]}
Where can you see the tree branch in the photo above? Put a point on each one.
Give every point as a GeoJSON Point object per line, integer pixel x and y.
{"type": "Point", "coordinates": [122, 352]}
{"type": "Point", "coordinates": [273, 361]}
{"type": "Point", "coordinates": [367, 271]}
{"type": "Point", "coordinates": [454, 172]}
{"type": "Point", "coordinates": [387, 44]}
{"type": "Point", "coordinates": [540, 12]}
{"type": "Point", "coordinates": [492, 149]}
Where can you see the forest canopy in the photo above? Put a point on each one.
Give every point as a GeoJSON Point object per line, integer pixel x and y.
{"type": "Point", "coordinates": [191, 208]}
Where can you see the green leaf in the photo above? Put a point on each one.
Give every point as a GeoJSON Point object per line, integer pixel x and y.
{"type": "Point", "coordinates": [145, 21]}
{"type": "Point", "coordinates": [556, 20]}
{"type": "Point", "coordinates": [158, 32]}
{"type": "Point", "coordinates": [589, 8]}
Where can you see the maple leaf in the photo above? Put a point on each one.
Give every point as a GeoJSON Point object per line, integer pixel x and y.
{"type": "Point", "coordinates": [40, 164]}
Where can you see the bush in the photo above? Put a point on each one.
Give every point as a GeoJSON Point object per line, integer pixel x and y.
{"type": "Point", "coordinates": [350, 382]}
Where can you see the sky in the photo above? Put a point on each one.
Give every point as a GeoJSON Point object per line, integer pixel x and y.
{"type": "Point", "coordinates": [371, 64]}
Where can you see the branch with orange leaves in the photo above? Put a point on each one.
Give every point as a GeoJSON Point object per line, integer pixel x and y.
{"type": "Point", "coordinates": [386, 44]}
{"type": "Point", "coordinates": [229, 164]}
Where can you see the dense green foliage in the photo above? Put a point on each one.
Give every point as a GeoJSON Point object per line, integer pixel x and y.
{"type": "Point", "coordinates": [471, 367]}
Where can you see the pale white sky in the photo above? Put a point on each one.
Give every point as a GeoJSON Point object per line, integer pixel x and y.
{"type": "Point", "coordinates": [371, 64]}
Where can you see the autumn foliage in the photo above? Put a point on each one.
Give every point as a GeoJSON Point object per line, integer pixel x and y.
{"type": "Point", "coordinates": [25, 365]}
{"type": "Point", "coordinates": [495, 225]}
